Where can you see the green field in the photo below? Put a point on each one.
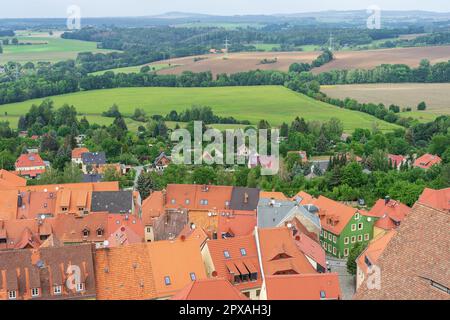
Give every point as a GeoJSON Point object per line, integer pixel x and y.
{"type": "Point", "coordinates": [275, 104]}
{"type": "Point", "coordinates": [136, 69]}
{"type": "Point", "coordinates": [45, 47]}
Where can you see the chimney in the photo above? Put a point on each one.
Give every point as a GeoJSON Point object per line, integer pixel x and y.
{"type": "Point", "coordinates": [386, 200]}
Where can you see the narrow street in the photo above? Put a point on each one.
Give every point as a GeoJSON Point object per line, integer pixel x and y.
{"type": "Point", "coordinates": [346, 281]}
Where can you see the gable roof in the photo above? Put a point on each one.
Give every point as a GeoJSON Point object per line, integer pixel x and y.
{"type": "Point", "coordinates": [427, 161]}
{"type": "Point", "coordinates": [237, 263]}
{"type": "Point", "coordinates": [389, 212]}
{"type": "Point", "coordinates": [77, 152]}
{"type": "Point", "coordinates": [29, 160]}
{"type": "Point", "coordinates": [272, 195]}
{"type": "Point", "coordinates": [311, 249]}
{"type": "Point", "coordinates": [279, 252]}
{"type": "Point", "coordinates": [272, 212]}
{"type": "Point", "coordinates": [439, 199]}
{"type": "Point", "coordinates": [9, 179]}
{"type": "Point", "coordinates": [237, 223]}
{"type": "Point", "coordinates": [374, 250]}
{"type": "Point", "coordinates": [93, 158]}
{"type": "Point", "coordinates": [138, 271]}
{"type": "Point", "coordinates": [152, 207]}
{"type": "Point", "coordinates": [198, 197]}
{"type": "Point", "coordinates": [8, 204]}
{"type": "Point", "coordinates": [396, 160]}
{"type": "Point", "coordinates": [209, 289]}
{"type": "Point", "coordinates": [303, 287]}
{"type": "Point", "coordinates": [112, 201]}
{"type": "Point", "coordinates": [415, 264]}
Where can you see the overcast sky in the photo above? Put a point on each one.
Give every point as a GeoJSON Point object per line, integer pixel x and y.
{"type": "Point", "coordinates": [112, 8]}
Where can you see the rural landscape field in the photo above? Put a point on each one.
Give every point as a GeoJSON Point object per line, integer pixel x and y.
{"type": "Point", "coordinates": [327, 177]}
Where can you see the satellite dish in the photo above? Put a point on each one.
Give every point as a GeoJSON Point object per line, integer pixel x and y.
{"type": "Point", "coordinates": [43, 216]}
{"type": "Point", "coordinates": [106, 243]}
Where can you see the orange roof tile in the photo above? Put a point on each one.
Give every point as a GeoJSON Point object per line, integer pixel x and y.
{"type": "Point", "coordinates": [227, 267]}
{"type": "Point", "coordinates": [272, 195]}
{"type": "Point", "coordinates": [8, 205]}
{"type": "Point", "coordinates": [77, 152]}
{"type": "Point", "coordinates": [9, 179]}
{"type": "Point", "coordinates": [29, 160]}
{"type": "Point", "coordinates": [152, 207]}
{"type": "Point", "coordinates": [390, 213]}
{"type": "Point", "coordinates": [374, 250]}
{"type": "Point", "coordinates": [140, 271]}
{"type": "Point", "coordinates": [237, 223]}
{"type": "Point", "coordinates": [306, 198]}
{"type": "Point", "coordinates": [427, 161]}
{"type": "Point", "coordinates": [280, 254]}
{"type": "Point", "coordinates": [439, 199]}
{"type": "Point", "coordinates": [210, 289]}
{"type": "Point", "coordinates": [338, 212]}
{"type": "Point", "coordinates": [198, 197]}
{"type": "Point", "coordinates": [303, 287]}
{"type": "Point", "coordinates": [311, 249]}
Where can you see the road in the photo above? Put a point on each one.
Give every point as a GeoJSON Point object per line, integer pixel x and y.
{"type": "Point", "coordinates": [346, 280]}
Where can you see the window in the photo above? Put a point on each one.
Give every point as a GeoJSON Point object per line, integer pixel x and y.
{"type": "Point", "coordinates": [187, 201]}
{"type": "Point", "coordinates": [357, 216]}
{"type": "Point", "coordinates": [99, 232]}
{"type": "Point", "coordinates": [329, 247]}
{"type": "Point", "coordinates": [57, 290]}
{"type": "Point", "coordinates": [345, 252]}
{"type": "Point", "coordinates": [204, 202]}
{"type": "Point", "coordinates": [324, 245]}
{"type": "Point", "coordinates": [167, 280]}
{"type": "Point", "coordinates": [226, 254]}
{"type": "Point", "coordinates": [334, 250]}
{"type": "Point", "coordinates": [85, 233]}
{"type": "Point", "coordinates": [321, 232]}
{"type": "Point", "coordinates": [360, 226]}
{"type": "Point", "coordinates": [334, 239]}
{"type": "Point", "coordinates": [12, 295]}
{"type": "Point", "coordinates": [193, 277]}
{"type": "Point", "coordinates": [35, 292]}
{"type": "Point", "coordinates": [64, 209]}
{"type": "Point", "coordinates": [346, 239]}
{"type": "Point", "coordinates": [353, 239]}
{"type": "Point", "coordinates": [80, 287]}
{"type": "Point", "coordinates": [360, 237]}
{"type": "Point", "coordinates": [322, 294]}
{"type": "Point", "coordinates": [325, 234]}
{"type": "Point", "coordinates": [243, 252]}
{"type": "Point", "coordinates": [366, 237]}
{"type": "Point", "coordinates": [353, 227]}
{"type": "Point", "coordinates": [172, 201]}
{"type": "Point", "coordinates": [149, 229]}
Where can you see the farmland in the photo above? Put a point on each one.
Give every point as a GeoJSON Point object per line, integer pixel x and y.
{"type": "Point", "coordinates": [369, 59]}
{"type": "Point", "coordinates": [272, 103]}
{"type": "Point", "coordinates": [238, 62]}
{"type": "Point", "coordinates": [404, 95]}
{"type": "Point", "coordinates": [42, 46]}
{"type": "Point", "coordinates": [135, 69]}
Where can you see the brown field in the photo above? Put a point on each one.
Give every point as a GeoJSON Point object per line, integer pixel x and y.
{"type": "Point", "coordinates": [345, 60]}
{"type": "Point", "coordinates": [238, 62]}
{"type": "Point", "coordinates": [436, 95]}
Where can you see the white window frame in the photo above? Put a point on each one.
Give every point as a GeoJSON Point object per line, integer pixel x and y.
{"type": "Point", "coordinates": [353, 227]}
{"type": "Point", "coordinates": [362, 226]}
{"type": "Point", "coordinates": [57, 290]}
{"type": "Point", "coordinates": [346, 251]}
{"type": "Point", "coordinates": [353, 239]}
{"type": "Point", "coordinates": [346, 240]}
{"type": "Point", "coordinates": [325, 234]}
{"type": "Point", "coordinates": [360, 238]}
{"type": "Point", "coordinates": [12, 295]}
{"type": "Point", "coordinates": [329, 248]}
{"type": "Point", "coordinates": [357, 216]}
{"type": "Point", "coordinates": [80, 287]}
{"type": "Point", "coordinates": [334, 239]}
{"type": "Point", "coordinates": [366, 237]}
{"type": "Point", "coordinates": [35, 292]}
{"type": "Point", "coordinates": [330, 236]}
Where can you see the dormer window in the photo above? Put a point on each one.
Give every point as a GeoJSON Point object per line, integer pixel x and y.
{"type": "Point", "coordinates": [35, 292]}
{"type": "Point", "coordinates": [80, 287]}
{"type": "Point", "coordinates": [64, 209]}
{"type": "Point", "coordinates": [86, 233]}
{"type": "Point", "coordinates": [187, 201]}
{"type": "Point", "coordinates": [57, 290]}
{"type": "Point", "coordinates": [100, 232]}
{"type": "Point", "coordinates": [12, 295]}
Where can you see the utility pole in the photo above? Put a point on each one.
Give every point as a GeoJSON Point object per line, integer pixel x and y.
{"type": "Point", "coordinates": [331, 42]}
{"type": "Point", "coordinates": [227, 44]}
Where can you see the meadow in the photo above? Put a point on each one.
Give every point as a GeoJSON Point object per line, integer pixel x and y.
{"type": "Point", "coordinates": [275, 104]}
{"type": "Point", "coordinates": [410, 95]}
{"type": "Point", "coordinates": [135, 69]}
{"type": "Point", "coordinates": [45, 47]}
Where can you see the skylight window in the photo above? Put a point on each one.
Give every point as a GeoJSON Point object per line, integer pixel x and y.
{"type": "Point", "coordinates": [193, 276]}
{"type": "Point", "coordinates": [243, 252]}
{"type": "Point", "coordinates": [167, 281]}
{"type": "Point", "coordinates": [226, 254]}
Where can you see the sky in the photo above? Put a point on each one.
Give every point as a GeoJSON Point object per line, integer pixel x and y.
{"type": "Point", "coordinates": [115, 8]}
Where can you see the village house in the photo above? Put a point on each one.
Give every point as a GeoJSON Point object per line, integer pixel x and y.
{"type": "Point", "coordinates": [92, 161]}
{"type": "Point", "coordinates": [77, 155]}
{"type": "Point", "coordinates": [342, 226]}
{"type": "Point", "coordinates": [389, 214]}
{"type": "Point", "coordinates": [45, 274]}
{"type": "Point", "coordinates": [161, 162]}
{"type": "Point", "coordinates": [324, 286]}
{"type": "Point", "coordinates": [397, 160]}
{"type": "Point", "coordinates": [30, 166]}
{"type": "Point", "coordinates": [414, 265]}
{"type": "Point", "coordinates": [235, 260]}
{"type": "Point", "coordinates": [427, 161]}
{"type": "Point", "coordinates": [439, 199]}
{"type": "Point", "coordinates": [157, 270]}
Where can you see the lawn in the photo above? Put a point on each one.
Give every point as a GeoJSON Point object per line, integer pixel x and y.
{"type": "Point", "coordinates": [136, 69]}
{"type": "Point", "coordinates": [45, 47]}
{"type": "Point", "coordinates": [275, 104]}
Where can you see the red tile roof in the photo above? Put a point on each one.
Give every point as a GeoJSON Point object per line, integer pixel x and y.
{"type": "Point", "coordinates": [9, 179]}
{"type": "Point", "coordinates": [439, 199]}
{"type": "Point", "coordinates": [29, 160]}
{"type": "Point", "coordinates": [321, 286]}
{"type": "Point", "coordinates": [280, 254]}
{"type": "Point", "coordinates": [415, 264]}
{"type": "Point", "coordinates": [427, 161]}
{"type": "Point", "coordinates": [77, 152]}
{"type": "Point", "coordinates": [237, 223]}
{"type": "Point", "coordinates": [152, 207]}
{"type": "Point", "coordinates": [198, 197]}
{"type": "Point", "coordinates": [272, 195]}
{"type": "Point", "coordinates": [390, 213]}
{"type": "Point", "coordinates": [311, 249]}
{"type": "Point", "coordinates": [374, 250]}
{"type": "Point", "coordinates": [209, 289]}
{"type": "Point", "coordinates": [396, 160]}
{"type": "Point", "coordinates": [237, 263]}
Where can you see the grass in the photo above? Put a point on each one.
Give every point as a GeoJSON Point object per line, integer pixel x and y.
{"type": "Point", "coordinates": [135, 69]}
{"type": "Point", "coordinates": [45, 47]}
{"type": "Point", "coordinates": [275, 104]}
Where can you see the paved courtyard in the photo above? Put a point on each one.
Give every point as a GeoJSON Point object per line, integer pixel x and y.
{"type": "Point", "coordinates": [346, 281]}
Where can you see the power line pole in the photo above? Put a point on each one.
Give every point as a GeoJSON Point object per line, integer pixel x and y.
{"type": "Point", "coordinates": [331, 42]}
{"type": "Point", "coordinates": [227, 44]}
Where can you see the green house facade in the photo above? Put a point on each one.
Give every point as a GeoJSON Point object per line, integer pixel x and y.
{"type": "Point", "coordinates": [358, 229]}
